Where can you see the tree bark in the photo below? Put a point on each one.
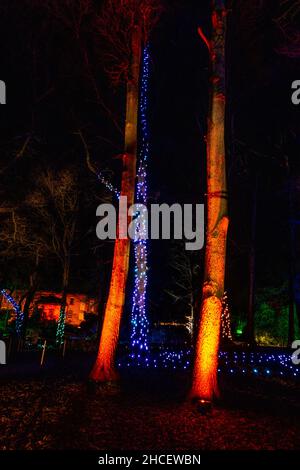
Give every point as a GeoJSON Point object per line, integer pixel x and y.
{"type": "Point", "coordinates": [104, 367]}
{"type": "Point", "coordinates": [30, 295]}
{"type": "Point", "coordinates": [204, 384]}
{"type": "Point", "coordinates": [29, 299]}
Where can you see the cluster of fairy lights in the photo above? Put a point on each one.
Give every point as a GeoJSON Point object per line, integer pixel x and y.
{"type": "Point", "coordinates": [139, 319]}
{"type": "Point", "coordinates": [60, 332]}
{"type": "Point", "coordinates": [161, 359]}
{"type": "Point", "coordinates": [233, 363]}
{"type": "Point", "coordinates": [17, 309]}
{"type": "Point", "coordinates": [109, 186]}
{"type": "Point", "coordinates": [225, 320]}
{"type": "Point", "coordinates": [277, 364]}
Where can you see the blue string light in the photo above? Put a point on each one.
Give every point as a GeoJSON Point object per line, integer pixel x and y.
{"type": "Point", "coordinates": [241, 363]}
{"type": "Point", "coordinates": [17, 309]}
{"type": "Point", "coordinates": [139, 318]}
{"type": "Point", "coordinates": [108, 185]}
{"type": "Point", "coordinates": [258, 363]}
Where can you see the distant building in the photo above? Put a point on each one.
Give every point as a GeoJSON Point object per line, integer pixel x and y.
{"type": "Point", "coordinates": [47, 304]}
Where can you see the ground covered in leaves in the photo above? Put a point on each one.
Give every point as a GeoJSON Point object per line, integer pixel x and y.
{"type": "Point", "coordinates": [146, 413]}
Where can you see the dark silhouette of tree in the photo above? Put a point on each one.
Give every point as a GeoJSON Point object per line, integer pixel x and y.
{"type": "Point", "coordinates": [21, 243]}
{"type": "Point", "coordinates": [55, 204]}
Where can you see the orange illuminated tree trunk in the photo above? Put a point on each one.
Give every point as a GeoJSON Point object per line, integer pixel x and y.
{"type": "Point", "coordinates": [104, 368]}
{"type": "Point", "coordinates": [204, 385]}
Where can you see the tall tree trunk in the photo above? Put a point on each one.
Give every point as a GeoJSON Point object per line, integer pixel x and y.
{"type": "Point", "coordinates": [250, 317]}
{"type": "Point", "coordinates": [204, 385]}
{"type": "Point", "coordinates": [104, 368]}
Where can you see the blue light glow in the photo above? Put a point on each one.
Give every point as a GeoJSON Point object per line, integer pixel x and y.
{"type": "Point", "coordinates": [241, 363]}
{"type": "Point", "coordinates": [109, 186]}
{"type": "Point", "coordinates": [139, 318]}
{"type": "Point", "coordinates": [17, 309]}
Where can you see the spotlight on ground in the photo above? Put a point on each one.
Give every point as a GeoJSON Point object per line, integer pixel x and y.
{"type": "Point", "coordinates": [203, 406]}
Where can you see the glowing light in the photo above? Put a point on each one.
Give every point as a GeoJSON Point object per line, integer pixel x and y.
{"type": "Point", "coordinates": [207, 346]}
{"type": "Point", "coordinates": [104, 367]}
{"type": "Point", "coordinates": [17, 309]}
{"type": "Point", "coordinates": [229, 363]}
{"type": "Point", "coordinates": [60, 331]}
{"type": "Point", "coordinates": [206, 354]}
{"type": "Point", "coordinates": [108, 185]}
{"type": "Point", "coordinates": [139, 319]}
{"type": "Point", "coordinates": [225, 320]}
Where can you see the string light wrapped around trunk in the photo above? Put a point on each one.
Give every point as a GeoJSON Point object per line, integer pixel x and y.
{"type": "Point", "coordinates": [225, 319]}
{"type": "Point", "coordinates": [139, 318]}
{"type": "Point", "coordinates": [17, 309]}
{"type": "Point", "coordinates": [60, 332]}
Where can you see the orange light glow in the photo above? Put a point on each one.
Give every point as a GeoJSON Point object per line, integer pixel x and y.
{"type": "Point", "coordinates": [103, 369]}
{"type": "Point", "coordinates": [206, 357]}
{"type": "Point", "coordinates": [204, 386]}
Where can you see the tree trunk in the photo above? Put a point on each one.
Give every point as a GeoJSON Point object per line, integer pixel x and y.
{"type": "Point", "coordinates": [250, 318]}
{"type": "Point", "coordinates": [30, 295]}
{"type": "Point", "coordinates": [62, 314]}
{"type": "Point", "coordinates": [104, 368]}
{"type": "Point", "coordinates": [204, 385]}
{"type": "Point", "coordinates": [101, 296]}
{"type": "Point", "coordinates": [29, 299]}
